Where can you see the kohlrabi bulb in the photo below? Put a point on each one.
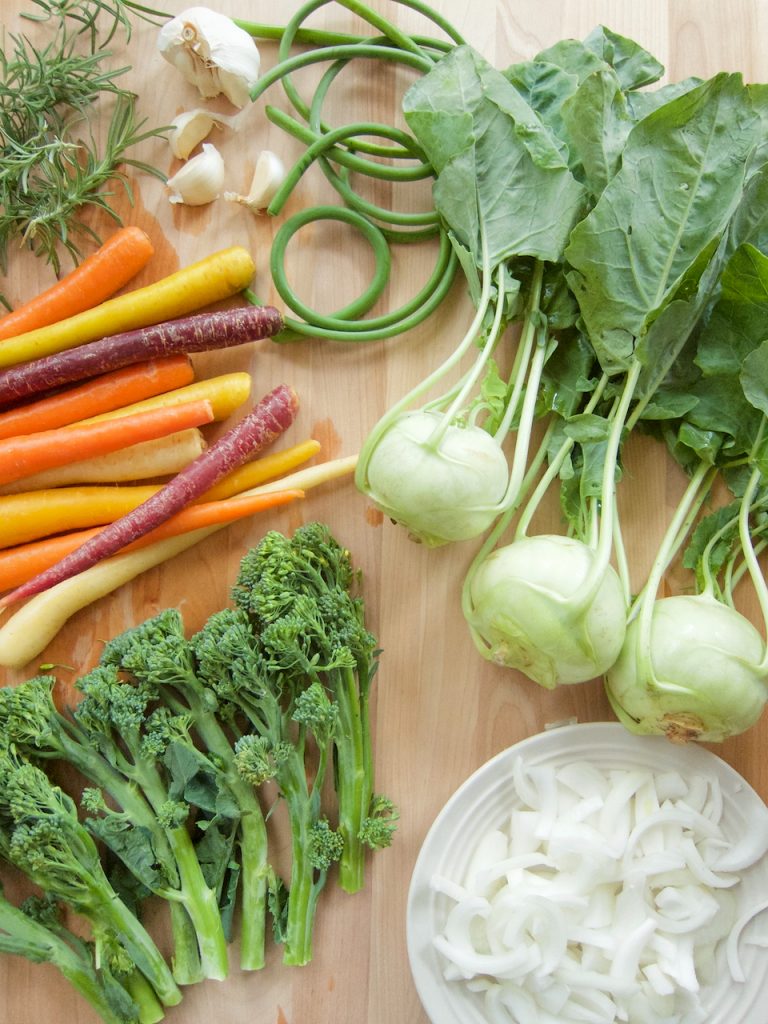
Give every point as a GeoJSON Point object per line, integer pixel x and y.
{"type": "Point", "coordinates": [704, 682]}
{"type": "Point", "coordinates": [443, 493]}
{"type": "Point", "coordinates": [530, 610]}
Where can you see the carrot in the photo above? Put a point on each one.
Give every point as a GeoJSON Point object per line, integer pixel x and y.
{"type": "Point", "coordinates": [259, 470]}
{"type": "Point", "coordinates": [30, 629]}
{"type": "Point", "coordinates": [23, 562]}
{"type": "Point", "coordinates": [29, 453]}
{"type": "Point", "coordinates": [270, 418]}
{"type": "Point", "coordinates": [34, 514]}
{"type": "Point", "coordinates": [225, 393]}
{"type": "Point", "coordinates": [216, 277]}
{"type": "Point", "coordinates": [100, 275]}
{"type": "Point", "coordinates": [197, 333]}
{"type": "Point", "coordinates": [99, 396]}
{"type": "Point", "coordinates": [147, 460]}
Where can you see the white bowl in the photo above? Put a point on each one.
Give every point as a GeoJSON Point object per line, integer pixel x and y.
{"type": "Point", "coordinates": [484, 802]}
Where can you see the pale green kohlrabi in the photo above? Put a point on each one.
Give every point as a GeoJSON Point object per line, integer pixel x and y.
{"type": "Point", "coordinates": [696, 674]}
{"type": "Point", "coordinates": [441, 485]}
{"type": "Point", "coordinates": [534, 608]}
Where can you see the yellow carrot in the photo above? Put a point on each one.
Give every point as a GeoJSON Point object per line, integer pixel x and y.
{"type": "Point", "coordinates": [24, 561]}
{"type": "Point", "coordinates": [225, 393]}
{"type": "Point", "coordinates": [143, 461]}
{"type": "Point", "coordinates": [259, 470]}
{"type": "Point", "coordinates": [30, 629]}
{"type": "Point", "coordinates": [33, 514]}
{"type": "Point", "coordinates": [37, 513]}
{"type": "Point", "coordinates": [218, 276]}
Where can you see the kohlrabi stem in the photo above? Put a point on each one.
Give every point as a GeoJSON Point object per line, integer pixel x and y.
{"type": "Point", "coordinates": [471, 378]}
{"type": "Point", "coordinates": [750, 558]}
{"type": "Point", "coordinates": [620, 552]}
{"type": "Point", "coordinates": [554, 467]}
{"type": "Point", "coordinates": [604, 546]}
{"type": "Point", "coordinates": [525, 347]}
{"type": "Point", "coordinates": [399, 407]}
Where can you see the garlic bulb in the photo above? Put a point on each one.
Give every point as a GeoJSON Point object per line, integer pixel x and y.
{"type": "Point", "coordinates": [199, 180]}
{"type": "Point", "coordinates": [268, 176]}
{"type": "Point", "coordinates": [211, 52]}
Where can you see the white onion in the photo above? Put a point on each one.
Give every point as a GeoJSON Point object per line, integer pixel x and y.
{"type": "Point", "coordinates": [601, 900]}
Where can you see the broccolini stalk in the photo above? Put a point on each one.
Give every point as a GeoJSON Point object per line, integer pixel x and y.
{"type": "Point", "coordinates": [117, 719]}
{"type": "Point", "coordinates": [41, 835]}
{"type": "Point", "coordinates": [34, 932]}
{"type": "Point", "coordinates": [298, 595]}
{"type": "Point", "coordinates": [157, 653]}
{"type": "Point", "coordinates": [30, 720]}
{"type": "Point", "coordinates": [231, 661]}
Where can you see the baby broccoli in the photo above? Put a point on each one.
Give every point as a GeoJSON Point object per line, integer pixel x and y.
{"type": "Point", "coordinates": [298, 594]}
{"type": "Point", "coordinates": [35, 931]}
{"type": "Point", "coordinates": [153, 847]}
{"type": "Point", "coordinates": [41, 835]}
{"type": "Point", "coordinates": [152, 748]}
{"type": "Point", "coordinates": [157, 653]}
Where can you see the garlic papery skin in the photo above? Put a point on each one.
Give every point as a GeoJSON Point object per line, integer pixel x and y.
{"type": "Point", "coordinates": [211, 52]}
{"type": "Point", "coordinates": [192, 127]}
{"type": "Point", "coordinates": [268, 176]}
{"type": "Point", "coordinates": [199, 180]}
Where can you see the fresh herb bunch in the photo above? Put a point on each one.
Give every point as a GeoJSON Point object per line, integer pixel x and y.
{"type": "Point", "coordinates": [52, 166]}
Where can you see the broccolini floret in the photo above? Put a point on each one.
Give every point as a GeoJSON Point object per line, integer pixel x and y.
{"type": "Point", "coordinates": [128, 824]}
{"type": "Point", "coordinates": [298, 595]}
{"type": "Point", "coordinates": [35, 931]}
{"type": "Point", "coordinates": [41, 835]}
{"type": "Point", "coordinates": [152, 749]}
{"type": "Point", "coordinates": [281, 718]}
{"type": "Point", "coordinates": [157, 654]}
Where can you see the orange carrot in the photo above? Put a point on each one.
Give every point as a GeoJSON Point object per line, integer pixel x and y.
{"type": "Point", "coordinates": [21, 563]}
{"type": "Point", "coordinates": [111, 391]}
{"type": "Point", "coordinates": [31, 453]}
{"type": "Point", "coordinates": [100, 275]}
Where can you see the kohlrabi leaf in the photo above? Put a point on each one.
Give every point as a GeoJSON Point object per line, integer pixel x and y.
{"type": "Point", "coordinates": [754, 377]}
{"type": "Point", "coordinates": [739, 320]}
{"type": "Point", "coordinates": [566, 376]}
{"type": "Point", "coordinates": [574, 57]}
{"type": "Point", "coordinates": [598, 122]}
{"type": "Point", "coordinates": [545, 87]}
{"type": "Point", "coordinates": [502, 183]}
{"type": "Point", "coordinates": [681, 178]}
{"type": "Point", "coordinates": [750, 222]}
{"type": "Point", "coordinates": [721, 405]}
{"type": "Point", "coordinates": [641, 104]}
{"type": "Point", "coordinates": [633, 64]}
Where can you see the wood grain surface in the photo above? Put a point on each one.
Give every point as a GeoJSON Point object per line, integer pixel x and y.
{"type": "Point", "coordinates": [440, 710]}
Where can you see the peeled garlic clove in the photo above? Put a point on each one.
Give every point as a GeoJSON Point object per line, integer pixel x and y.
{"type": "Point", "coordinates": [211, 52]}
{"type": "Point", "coordinates": [268, 176]}
{"type": "Point", "coordinates": [199, 180]}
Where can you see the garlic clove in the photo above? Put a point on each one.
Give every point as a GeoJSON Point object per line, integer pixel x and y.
{"type": "Point", "coordinates": [200, 179]}
{"type": "Point", "coordinates": [192, 127]}
{"type": "Point", "coordinates": [211, 52]}
{"type": "Point", "coordinates": [268, 176]}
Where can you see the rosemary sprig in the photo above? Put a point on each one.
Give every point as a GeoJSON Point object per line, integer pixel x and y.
{"type": "Point", "coordinates": [52, 167]}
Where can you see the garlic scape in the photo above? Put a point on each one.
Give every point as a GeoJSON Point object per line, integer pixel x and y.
{"type": "Point", "coordinates": [211, 52]}
{"type": "Point", "coordinates": [200, 179]}
{"type": "Point", "coordinates": [268, 176]}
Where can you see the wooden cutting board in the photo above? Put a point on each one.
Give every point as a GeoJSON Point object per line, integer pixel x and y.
{"type": "Point", "coordinates": [440, 711]}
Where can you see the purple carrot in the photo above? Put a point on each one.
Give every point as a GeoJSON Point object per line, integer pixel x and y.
{"type": "Point", "coordinates": [197, 333]}
{"type": "Point", "coordinates": [266, 422]}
